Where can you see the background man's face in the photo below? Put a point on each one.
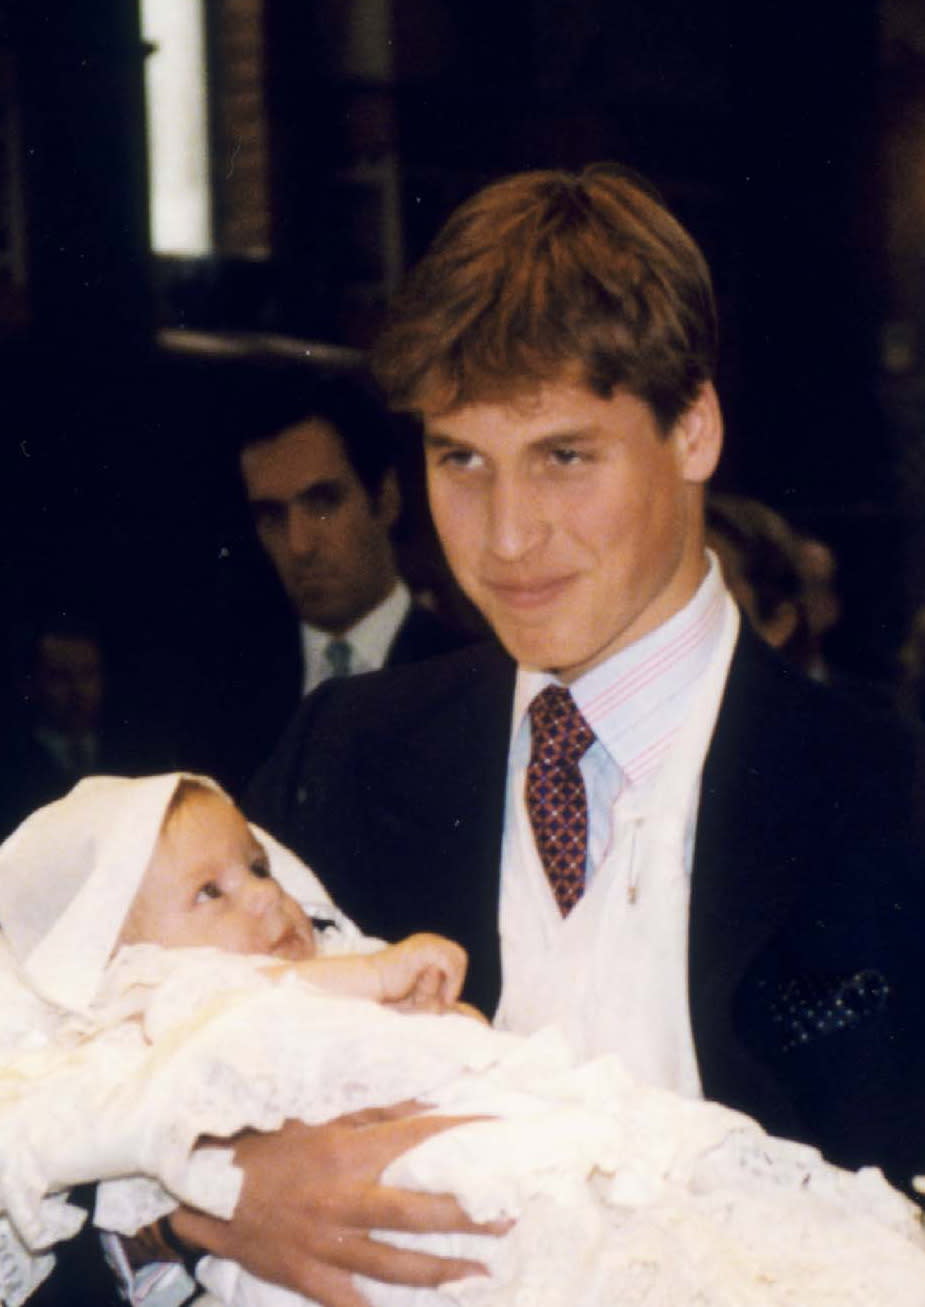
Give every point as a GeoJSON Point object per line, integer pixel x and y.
{"type": "Point", "coordinates": [569, 520]}
{"type": "Point", "coordinates": [68, 683]}
{"type": "Point", "coordinates": [327, 540]}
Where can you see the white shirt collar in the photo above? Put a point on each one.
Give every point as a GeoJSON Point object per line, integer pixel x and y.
{"type": "Point", "coordinates": [370, 639]}
{"type": "Point", "coordinates": [622, 697]}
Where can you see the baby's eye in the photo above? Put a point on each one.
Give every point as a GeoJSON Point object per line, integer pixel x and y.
{"type": "Point", "coordinates": [260, 867]}
{"type": "Point", "coordinates": [210, 890]}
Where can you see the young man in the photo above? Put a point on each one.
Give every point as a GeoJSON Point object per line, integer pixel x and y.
{"type": "Point", "coordinates": [660, 837]}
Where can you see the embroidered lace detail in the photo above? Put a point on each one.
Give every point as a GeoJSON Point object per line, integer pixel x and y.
{"type": "Point", "coordinates": [622, 1194]}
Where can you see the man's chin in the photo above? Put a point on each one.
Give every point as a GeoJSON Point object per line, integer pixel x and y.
{"type": "Point", "coordinates": [324, 619]}
{"type": "Point", "coordinates": [539, 649]}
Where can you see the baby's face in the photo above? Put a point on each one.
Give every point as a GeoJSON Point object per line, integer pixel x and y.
{"type": "Point", "coordinates": [209, 884]}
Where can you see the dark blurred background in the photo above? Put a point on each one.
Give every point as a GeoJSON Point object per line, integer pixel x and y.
{"type": "Point", "coordinates": [337, 136]}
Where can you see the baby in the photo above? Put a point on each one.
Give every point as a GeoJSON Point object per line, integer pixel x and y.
{"type": "Point", "coordinates": [209, 883]}
{"type": "Point", "coordinates": [165, 984]}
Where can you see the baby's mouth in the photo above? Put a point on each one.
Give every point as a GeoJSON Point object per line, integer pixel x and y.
{"type": "Point", "coordinates": [291, 946]}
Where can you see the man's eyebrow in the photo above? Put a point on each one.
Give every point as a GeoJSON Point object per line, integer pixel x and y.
{"type": "Point", "coordinates": [264, 504]}
{"type": "Point", "coordinates": [566, 435]}
{"type": "Point", "coordinates": [324, 487]}
{"type": "Point", "coordinates": [436, 440]}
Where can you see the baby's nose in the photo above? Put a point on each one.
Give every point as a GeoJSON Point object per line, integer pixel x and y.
{"type": "Point", "coordinates": [263, 895]}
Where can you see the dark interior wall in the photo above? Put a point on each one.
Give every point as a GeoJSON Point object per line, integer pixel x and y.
{"type": "Point", "coordinates": [758, 122]}
{"type": "Point", "coordinates": [79, 73]}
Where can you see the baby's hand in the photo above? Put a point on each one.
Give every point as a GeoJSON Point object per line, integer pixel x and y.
{"type": "Point", "coordinates": [423, 973]}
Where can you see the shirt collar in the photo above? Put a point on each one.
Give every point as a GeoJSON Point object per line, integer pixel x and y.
{"type": "Point", "coordinates": [370, 639]}
{"type": "Point", "coordinates": [635, 700]}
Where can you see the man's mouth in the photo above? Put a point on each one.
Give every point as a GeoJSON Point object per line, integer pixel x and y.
{"type": "Point", "coordinates": [314, 580]}
{"type": "Point", "coordinates": [528, 595]}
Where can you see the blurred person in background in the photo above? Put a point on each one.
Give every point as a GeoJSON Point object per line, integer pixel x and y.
{"type": "Point", "coordinates": [63, 723]}
{"type": "Point", "coordinates": [821, 602]}
{"type": "Point", "coordinates": [319, 466]}
{"type": "Point", "coordinates": [759, 553]}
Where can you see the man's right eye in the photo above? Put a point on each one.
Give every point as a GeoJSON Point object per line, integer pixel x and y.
{"type": "Point", "coordinates": [210, 890]}
{"type": "Point", "coordinates": [266, 516]}
{"type": "Point", "coordinates": [458, 458]}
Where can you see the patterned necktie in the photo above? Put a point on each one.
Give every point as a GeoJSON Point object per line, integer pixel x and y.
{"type": "Point", "coordinates": [337, 654]}
{"type": "Point", "coordinates": [556, 799]}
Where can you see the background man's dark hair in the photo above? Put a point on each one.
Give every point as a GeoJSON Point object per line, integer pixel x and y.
{"type": "Point", "coordinates": [265, 402]}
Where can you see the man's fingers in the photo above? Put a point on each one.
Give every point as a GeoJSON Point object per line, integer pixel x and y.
{"type": "Point", "coordinates": [312, 1196]}
{"type": "Point", "coordinates": [332, 1287]}
{"type": "Point", "coordinates": [386, 1140]}
{"type": "Point", "coordinates": [420, 1213]}
{"type": "Point", "coordinates": [393, 1265]}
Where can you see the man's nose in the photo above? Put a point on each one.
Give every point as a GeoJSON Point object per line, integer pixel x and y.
{"type": "Point", "coordinates": [515, 517]}
{"type": "Point", "coordinates": [302, 533]}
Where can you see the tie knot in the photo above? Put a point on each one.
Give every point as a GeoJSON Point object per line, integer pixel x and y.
{"type": "Point", "coordinates": [337, 653]}
{"type": "Point", "coordinates": [559, 732]}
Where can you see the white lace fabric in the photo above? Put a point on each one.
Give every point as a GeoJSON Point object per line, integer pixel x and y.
{"type": "Point", "coordinates": [622, 1194]}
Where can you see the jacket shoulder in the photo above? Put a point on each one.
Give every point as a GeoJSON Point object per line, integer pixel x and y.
{"type": "Point", "coordinates": [379, 715]}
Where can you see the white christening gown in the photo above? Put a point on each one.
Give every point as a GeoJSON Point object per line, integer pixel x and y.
{"type": "Point", "coordinates": [622, 1195]}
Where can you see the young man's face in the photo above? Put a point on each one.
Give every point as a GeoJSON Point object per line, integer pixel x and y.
{"type": "Point", "coordinates": [328, 541]}
{"type": "Point", "coordinates": [208, 884]}
{"type": "Point", "coordinates": [570, 521]}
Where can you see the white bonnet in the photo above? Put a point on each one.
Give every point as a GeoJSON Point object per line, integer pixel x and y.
{"type": "Point", "coordinates": [69, 873]}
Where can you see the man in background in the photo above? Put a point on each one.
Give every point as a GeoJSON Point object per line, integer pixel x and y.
{"type": "Point", "coordinates": [318, 463]}
{"type": "Point", "coordinates": [65, 720]}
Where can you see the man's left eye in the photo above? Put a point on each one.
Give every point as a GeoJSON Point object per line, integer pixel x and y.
{"type": "Point", "coordinates": [260, 867]}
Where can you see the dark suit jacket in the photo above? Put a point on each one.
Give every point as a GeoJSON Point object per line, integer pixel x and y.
{"type": "Point", "coordinates": [807, 900]}
{"type": "Point", "coordinates": [258, 690]}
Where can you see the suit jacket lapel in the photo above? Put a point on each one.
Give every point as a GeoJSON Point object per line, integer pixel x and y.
{"type": "Point", "coordinates": [437, 802]}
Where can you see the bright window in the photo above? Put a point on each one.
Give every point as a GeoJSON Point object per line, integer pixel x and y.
{"type": "Point", "coordinates": [178, 137]}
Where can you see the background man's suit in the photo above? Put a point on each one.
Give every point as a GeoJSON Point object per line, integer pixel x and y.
{"type": "Point", "coordinates": [259, 688]}
{"type": "Point", "coordinates": [807, 902]}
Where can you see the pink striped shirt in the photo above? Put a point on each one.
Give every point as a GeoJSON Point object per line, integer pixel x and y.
{"type": "Point", "coordinates": [635, 703]}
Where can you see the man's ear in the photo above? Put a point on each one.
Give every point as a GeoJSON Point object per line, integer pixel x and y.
{"type": "Point", "coordinates": [388, 502]}
{"type": "Point", "coordinates": [698, 434]}
{"type": "Point", "coordinates": [778, 629]}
